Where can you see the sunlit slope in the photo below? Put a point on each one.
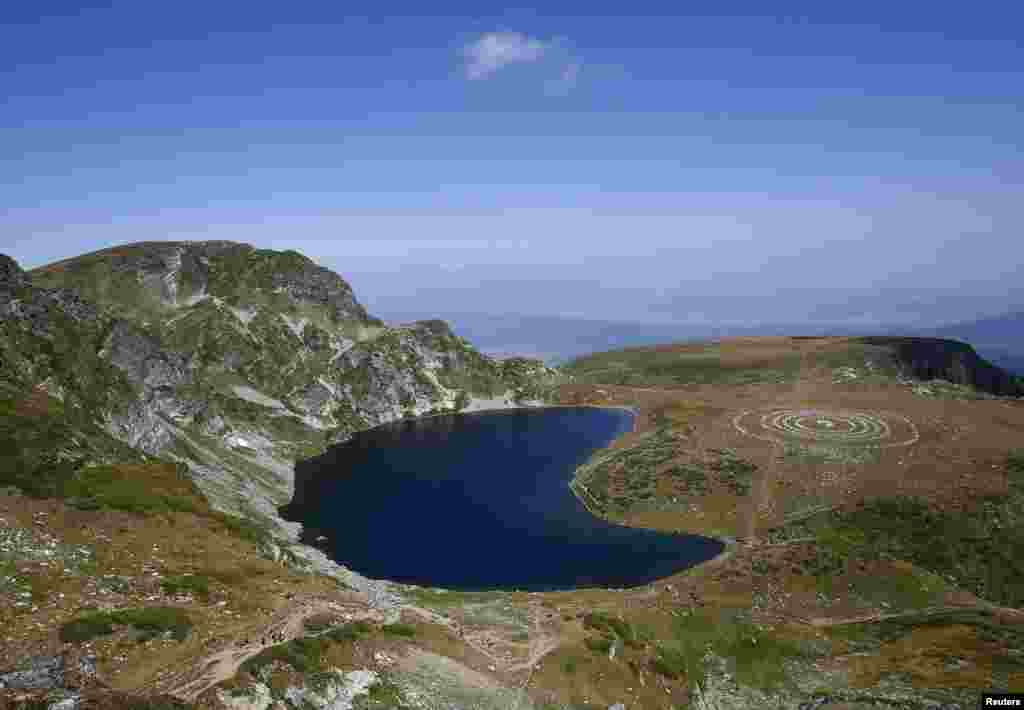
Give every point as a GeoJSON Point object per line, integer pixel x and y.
{"type": "Point", "coordinates": [875, 512]}
{"type": "Point", "coordinates": [768, 360]}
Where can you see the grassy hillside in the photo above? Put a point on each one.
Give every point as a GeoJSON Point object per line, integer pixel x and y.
{"type": "Point", "coordinates": [668, 366]}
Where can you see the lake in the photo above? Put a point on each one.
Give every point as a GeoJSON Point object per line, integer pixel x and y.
{"type": "Point", "coordinates": [480, 501]}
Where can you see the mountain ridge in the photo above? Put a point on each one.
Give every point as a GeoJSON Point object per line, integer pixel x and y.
{"type": "Point", "coordinates": [557, 339]}
{"type": "Point", "coordinates": [236, 361]}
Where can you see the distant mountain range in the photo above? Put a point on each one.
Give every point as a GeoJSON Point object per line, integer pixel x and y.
{"type": "Point", "coordinates": [556, 339]}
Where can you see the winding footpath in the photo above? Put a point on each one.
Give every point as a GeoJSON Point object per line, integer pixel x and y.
{"type": "Point", "coordinates": [223, 663]}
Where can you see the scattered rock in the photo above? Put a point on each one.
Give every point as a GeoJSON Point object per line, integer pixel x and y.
{"type": "Point", "coordinates": [40, 673]}
{"type": "Point", "coordinates": [331, 690]}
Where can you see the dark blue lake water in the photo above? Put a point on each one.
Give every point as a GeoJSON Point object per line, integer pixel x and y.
{"type": "Point", "coordinates": [480, 501]}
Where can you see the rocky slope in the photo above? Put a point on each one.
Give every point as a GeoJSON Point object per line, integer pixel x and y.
{"type": "Point", "coordinates": [231, 360]}
{"type": "Point", "coordinates": [950, 360]}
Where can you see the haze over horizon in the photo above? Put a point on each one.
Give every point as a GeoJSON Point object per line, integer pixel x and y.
{"type": "Point", "coordinates": [857, 165]}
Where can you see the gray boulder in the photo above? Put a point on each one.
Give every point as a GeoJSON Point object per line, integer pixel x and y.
{"type": "Point", "coordinates": [39, 673]}
{"type": "Point", "coordinates": [11, 275]}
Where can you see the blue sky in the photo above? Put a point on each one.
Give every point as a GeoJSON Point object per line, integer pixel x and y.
{"type": "Point", "coordinates": [858, 163]}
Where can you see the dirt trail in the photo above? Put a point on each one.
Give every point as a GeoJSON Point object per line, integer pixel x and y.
{"type": "Point", "coordinates": [433, 617]}
{"type": "Point", "coordinates": [542, 642]}
{"type": "Point", "coordinates": [539, 647]}
{"type": "Point", "coordinates": [763, 504]}
{"type": "Point", "coordinates": [287, 624]}
{"type": "Point", "coordinates": [284, 625]}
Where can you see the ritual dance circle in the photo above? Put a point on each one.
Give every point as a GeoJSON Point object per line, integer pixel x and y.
{"type": "Point", "coordinates": [832, 427]}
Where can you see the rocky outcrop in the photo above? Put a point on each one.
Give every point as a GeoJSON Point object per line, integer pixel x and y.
{"type": "Point", "coordinates": [42, 673]}
{"type": "Point", "coordinates": [171, 274]}
{"type": "Point", "coordinates": [330, 690]}
{"type": "Point", "coordinates": [950, 360]}
{"type": "Point", "coordinates": [11, 275]}
{"type": "Point", "coordinates": [53, 682]}
{"type": "Point", "coordinates": [19, 301]}
{"type": "Point", "coordinates": [143, 361]}
{"type": "Point", "coordinates": [236, 362]}
{"type": "Point", "coordinates": [309, 283]}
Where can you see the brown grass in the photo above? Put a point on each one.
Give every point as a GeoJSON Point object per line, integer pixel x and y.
{"type": "Point", "coordinates": [135, 547]}
{"type": "Point", "coordinates": [37, 404]}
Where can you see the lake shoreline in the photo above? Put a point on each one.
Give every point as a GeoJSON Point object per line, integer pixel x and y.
{"type": "Point", "coordinates": [425, 460]}
{"type": "Point", "coordinates": [579, 489]}
{"type": "Point", "coordinates": [730, 544]}
{"type": "Point", "coordinates": [635, 411]}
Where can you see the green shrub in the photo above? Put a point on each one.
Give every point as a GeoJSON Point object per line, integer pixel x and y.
{"type": "Point", "coordinates": [195, 584]}
{"type": "Point", "coordinates": [757, 658]}
{"type": "Point", "coordinates": [86, 627]}
{"type": "Point", "coordinates": [733, 471]}
{"type": "Point", "coordinates": [156, 620]}
{"type": "Point", "coordinates": [693, 475]}
{"type": "Point", "coordinates": [570, 664]}
{"type": "Point", "coordinates": [303, 655]}
{"type": "Point", "coordinates": [981, 547]}
{"type": "Point", "coordinates": [599, 621]}
{"type": "Point", "coordinates": [673, 662]}
{"type": "Point", "coordinates": [635, 464]}
{"type": "Point", "coordinates": [1015, 463]}
{"type": "Point", "coordinates": [350, 632]}
{"type": "Point", "coordinates": [241, 527]}
{"type": "Point", "coordinates": [384, 694]}
{"type": "Point", "coordinates": [150, 621]}
{"type": "Point", "coordinates": [403, 630]}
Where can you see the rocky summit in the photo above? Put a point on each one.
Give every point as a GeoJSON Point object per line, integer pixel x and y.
{"type": "Point", "coordinates": [234, 360]}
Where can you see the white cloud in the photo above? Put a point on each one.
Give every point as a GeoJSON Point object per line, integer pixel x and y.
{"type": "Point", "coordinates": [498, 49]}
